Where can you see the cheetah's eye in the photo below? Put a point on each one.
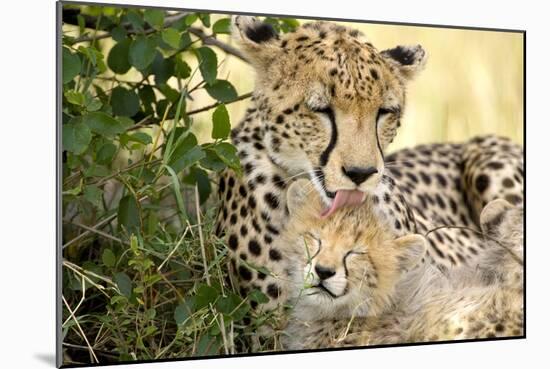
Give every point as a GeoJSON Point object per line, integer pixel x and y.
{"type": "Point", "coordinates": [385, 111]}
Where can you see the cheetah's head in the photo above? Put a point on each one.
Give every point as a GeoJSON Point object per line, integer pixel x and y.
{"type": "Point", "coordinates": [349, 263]}
{"type": "Point", "coordinates": [330, 102]}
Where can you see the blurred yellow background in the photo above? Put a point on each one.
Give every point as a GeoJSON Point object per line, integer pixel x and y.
{"type": "Point", "coordinates": [472, 84]}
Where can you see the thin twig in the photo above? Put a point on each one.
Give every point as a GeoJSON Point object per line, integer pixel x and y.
{"type": "Point", "coordinates": [91, 350]}
{"type": "Point", "coordinates": [212, 106]}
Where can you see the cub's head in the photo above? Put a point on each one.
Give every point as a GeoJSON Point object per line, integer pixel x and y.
{"type": "Point", "coordinates": [348, 263]}
{"type": "Point", "coordinates": [329, 101]}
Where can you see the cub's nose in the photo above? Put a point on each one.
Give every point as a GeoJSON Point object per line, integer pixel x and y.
{"type": "Point", "coordinates": [324, 272]}
{"type": "Point", "coordinates": [359, 175]}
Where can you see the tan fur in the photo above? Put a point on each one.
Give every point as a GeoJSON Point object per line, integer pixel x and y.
{"type": "Point", "coordinates": [412, 305]}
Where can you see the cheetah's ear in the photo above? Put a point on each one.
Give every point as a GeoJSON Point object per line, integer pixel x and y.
{"type": "Point", "coordinates": [302, 199]}
{"type": "Point", "coordinates": [258, 40]}
{"type": "Point", "coordinates": [409, 60]}
{"type": "Point", "coordinates": [410, 250]}
{"type": "Point", "coordinates": [493, 214]}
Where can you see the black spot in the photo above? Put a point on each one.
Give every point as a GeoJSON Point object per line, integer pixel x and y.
{"type": "Point", "coordinates": [273, 290]}
{"type": "Point", "coordinates": [374, 74]}
{"type": "Point", "coordinates": [442, 181]}
{"type": "Point", "coordinates": [245, 273]}
{"type": "Point", "coordinates": [233, 219]}
{"type": "Point", "coordinates": [513, 199]}
{"type": "Point", "coordinates": [244, 230]}
{"type": "Point", "coordinates": [233, 242]}
{"type": "Point", "coordinates": [272, 229]}
{"type": "Point", "coordinates": [256, 225]}
{"type": "Point", "coordinates": [243, 211]}
{"type": "Point", "coordinates": [507, 182]}
{"type": "Point", "coordinates": [261, 32]}
{"type": "Point", "coordinates": [254, 247]}
{"type": "Point", "coordinates": [387, 198]}
{"type": "Point", "coordinates": [280, 119]}
{"type": "Point", "coordinates": [499, 327]}
{"type": "Point", "coordinates": [425, 178]}
{"type": "Point", "coordinates": [278, 181]}
{"type": "Point", "coordinates": [288, 111]}
{"type": "Point", "coordinates": [221, 186]}
{"type": "Point", "coordinates": [271, 200]}
{"type": "Point", "coordinates": [453, 205]}
{"type": "Point", "coordinates": [302, 38]}
{"type": "Point", "coordinates": [274, 255]}
{"type": "Point", "coordinates": [496, 165]}
{"type": "Point", "coordinates": [268, 239]}
{"type": "Point", "coordinates": [252, 202]}
{"type": "Point", "coordinates": [242, 191]}
{"type": "Point", "coordinates": [260, 179]}
{"type": "Point", "coordinates": [412, 177]}
{"type": "Point", "coordinates": [397, 224]}
{"type": "Point", "coordinates": [440, 201]}
{"type": "Point", "coordinates": [482, 183]}
{"type": "Point", "coordinates": [258, 146]}
{"type": "Point", "coordinates": [333, 72]}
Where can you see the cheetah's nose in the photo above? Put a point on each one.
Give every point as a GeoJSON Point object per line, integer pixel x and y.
{"type": "Point", "coordinates": [324, 272]}
{"type": "Point", "coordinates": [359, 175]}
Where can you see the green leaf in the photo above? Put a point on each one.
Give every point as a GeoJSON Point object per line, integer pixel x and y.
{"type": "Point", "coordinates": [172, 37]}
{"type": "Point", "coordinates": [222, 26]}
{"type": "Point", "coordinates": [162, 68]}
{"type": "Point", "coordinates": [191, 18]}
{"type": "Point", "coordinates": [142, 52]}
{"type": "Point", "coordinates": [124, 102]}
{"type": "Point", "coordinates": [124, 283]}
{"type": "Point", "coordinates": [129, 214]}
{"type": "Point", "coordinates": [105, 153]}
{"type": "Point", "coordinates": [180, 314]}
{"type": "Point", "coordinates": [76, 137]}
{"type": "Point", "coordinates": [119, 33]}
{"type": "Point", "coordinates": [182, 69]}
{"type": "Point", "coordinates": [208, 346]}
{"type": "Point", "coordinates": [94, 195]}
{"type": "Point", "coordinates": [134, 17]}
{"type": "Point", "coordinates": [108, 258]}
{"type": "Point", "coordinates": [147, 96]}
{"type": "Point", "coordinates": [96, 170]}
{"type": "Point", "coordinates": [205, 295]}
{"type": "Point", "coordinates": [186, 154]}
{"type": "Point", "coordinates": [103, 124]}
{"type": "Point", "coordinates": [71, 65]}
{"type": "Point", "coordinates": [222, 91]}
{"type": "Point", "coordinates": [141, 137]}
{"type": "Point", "coordinates": [212, 161]}
{"type": "Point", "coordinates": [75, 97]}
{"type": "Point", "coordinates": [200, 178]}
{"type": "Point", "coordinates": [258, 296]}
{"type": "Point", "coordinates": [220, 123]}
{"type": "Point", "coordinates": [228, 154]}
{"type": "Point", "coordinates": [205, 19]}
{"type": "Point", "coordinates": [226, 304]}
{"type": "Point", "coordinates": [208, 64]}
{"type": "Point", "coordinates": [154, 17]}
{"type": "Point", "coordinates": [117, 59]}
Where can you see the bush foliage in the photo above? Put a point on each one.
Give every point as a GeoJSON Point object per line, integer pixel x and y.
{"type": "Point", "coordinates": [143, 275]}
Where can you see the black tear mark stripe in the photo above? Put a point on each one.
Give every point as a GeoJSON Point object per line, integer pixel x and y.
{"type": "Point", "coordinates": [333, 138]}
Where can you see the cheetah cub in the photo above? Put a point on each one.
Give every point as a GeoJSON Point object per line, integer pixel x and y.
{"type": "Point", "coordinates": [355, 283]}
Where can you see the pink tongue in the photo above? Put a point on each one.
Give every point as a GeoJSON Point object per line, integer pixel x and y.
{"type": "Point", "coordinates": [343, 198]}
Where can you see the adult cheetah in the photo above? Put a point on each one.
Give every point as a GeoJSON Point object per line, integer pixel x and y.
{"type": "Point", "coordinates": [326, 104]}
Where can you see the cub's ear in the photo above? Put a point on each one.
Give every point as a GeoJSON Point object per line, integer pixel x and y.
{"type": "Point", "coordinates": [302, 199]}
{"type": "Point", "coordinates": [493, 215]}
{"type": "Point", "coordinates": [258, 40]}
{"type": "Point", "coordinates": [410, 250]}
{"type": "Point", "coordinates": [409, 60]}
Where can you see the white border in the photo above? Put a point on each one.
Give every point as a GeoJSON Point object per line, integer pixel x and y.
{"type": "Point", "coordinates": [27, 185]}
